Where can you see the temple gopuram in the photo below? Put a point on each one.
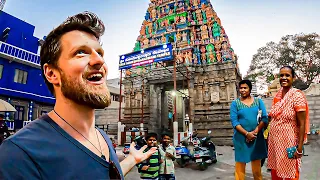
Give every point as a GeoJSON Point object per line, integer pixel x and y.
{"type": "Point", "coordinates": [182, 74]}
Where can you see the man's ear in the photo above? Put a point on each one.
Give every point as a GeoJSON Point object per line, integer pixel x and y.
{"type": "Point", "coordinates": [52, 74]}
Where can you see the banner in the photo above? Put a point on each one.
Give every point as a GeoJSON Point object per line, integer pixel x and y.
{"type": "Point", "coordinates": [146, 56]}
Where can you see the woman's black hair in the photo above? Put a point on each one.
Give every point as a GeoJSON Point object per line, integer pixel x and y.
{"type": "Point", "coordinates": [293, 73]}
{"type": "Point", "coordinates": [247, 82]}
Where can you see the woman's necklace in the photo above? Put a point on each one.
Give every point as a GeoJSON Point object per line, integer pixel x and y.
{"type": "Point", "coordinates": [102, 156]}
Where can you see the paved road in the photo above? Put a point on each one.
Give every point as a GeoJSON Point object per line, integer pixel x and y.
{"type": "Point", "coordinates": [224, 169]}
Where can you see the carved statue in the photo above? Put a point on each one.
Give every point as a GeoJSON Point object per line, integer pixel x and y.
{"type": "Point", "coordinates": [188, 57]}
{"type": "Point", "coordinates": [183, 19]}
{"type": "Point", "coordinates": [219, 56]}
{"type": "Point", "coordinates": [209, 12]}
{"type": "Point", "coordinates": [184, 36]}
{"type": "Point", "coordinates": [216, 29]}
{"type": "Point", "coordinates": [196, 3]}
{"type": "Point", "coordinates": [189, 16]}
{"type": "Point", "coordinates": [150, 28]}
{"type": "Point", "coordinates": [143, 30]}
{"type": "Point", "coordinates": [218, 20]}
{"type": "Point", "coordinates": [210, 53]}
{"type": "Point", "coordinates": [179, 58]}
{"type": "Point", "coordinates": [153, 13]}
{"type": "Point", "coordinates": [167, 9]}
{"type": "Point", "coordinates": [204, 32]}
{"type": "Point", "coordinates": [153, 42]}
{"type": "Point", "coordinates": [177, 19]}
{"type": "Point", "coordinates": [163, 39]}
{"type": "Point", "coordinates": [217, 45]}
{"type": "Point", "coordinates": [178, 36]}
{"type": "Point", "coordinates": [145, 43]}
{"type": "Point", "coordinates": [199, 15]}
{"type": "Point", "coordinates": [137, 46]}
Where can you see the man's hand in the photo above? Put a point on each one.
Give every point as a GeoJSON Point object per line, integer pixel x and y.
{"type": "Point", "coordinates": [144, 168]}
{"type": "Point", "coordinates": [135, 157]}
{"type": "Point", "coordinates": [139, 155]}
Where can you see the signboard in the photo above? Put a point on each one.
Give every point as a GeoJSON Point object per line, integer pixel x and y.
{"type": "Point", "coordinates": [146, 56]}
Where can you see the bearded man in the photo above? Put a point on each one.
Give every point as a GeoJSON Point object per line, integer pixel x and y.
{"type": "Point", "coordinates": [65, 144]}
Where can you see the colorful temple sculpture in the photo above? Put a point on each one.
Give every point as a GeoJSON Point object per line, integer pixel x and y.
{"type": "Point", "coordinates": [205, 78]}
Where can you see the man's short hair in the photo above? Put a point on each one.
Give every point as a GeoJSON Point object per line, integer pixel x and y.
{"type": "Point", "coordinates": [149, 135]}
{"type": "Point", "coordinates": [166, 134]}
{"type": "Point", "coordinates": [51, 48]}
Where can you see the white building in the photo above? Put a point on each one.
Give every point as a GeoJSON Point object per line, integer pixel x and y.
{"type": "Point", "coordinates": [254, 90]}
{"type": "Point", "coordinates": [2, 2]}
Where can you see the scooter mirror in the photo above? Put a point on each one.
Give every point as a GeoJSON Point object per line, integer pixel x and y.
{"type": "Point", "coordinates": [209, 132]}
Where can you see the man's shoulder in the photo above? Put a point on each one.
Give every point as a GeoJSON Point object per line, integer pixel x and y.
{"type": "Point", "coordinates": [32, 132]}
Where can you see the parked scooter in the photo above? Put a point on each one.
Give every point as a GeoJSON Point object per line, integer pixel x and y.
{"type": "Point", "coordinates": [184, 152]}
{"type": "Point", "coordinates": [205, 153]}
{"type": "Point", "coordinates": [207, 143]}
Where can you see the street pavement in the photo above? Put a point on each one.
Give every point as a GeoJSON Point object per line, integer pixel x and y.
{"type": "Point", "coordinates": [224, 168]}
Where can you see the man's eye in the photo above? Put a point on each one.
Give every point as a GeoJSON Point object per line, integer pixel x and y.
{"type": "Point", "coordinates": [80, 52]}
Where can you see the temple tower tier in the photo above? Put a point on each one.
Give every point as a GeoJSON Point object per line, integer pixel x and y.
{"type": "Point", "coordinates": [195, 87]}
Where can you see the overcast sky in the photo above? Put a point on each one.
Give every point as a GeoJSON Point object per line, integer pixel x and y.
{"type": "Point", "coordinates": [249, 24]}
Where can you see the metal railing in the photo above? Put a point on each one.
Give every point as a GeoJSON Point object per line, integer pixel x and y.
{"type": "Point", "coordinates": [17, 53]}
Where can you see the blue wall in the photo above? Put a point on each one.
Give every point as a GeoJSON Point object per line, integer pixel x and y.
{"type": "Point", "coordinates": [21, 35]}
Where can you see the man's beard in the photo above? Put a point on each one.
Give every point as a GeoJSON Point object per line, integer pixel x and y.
{"type": "Point", "coordinates": [84, 94]}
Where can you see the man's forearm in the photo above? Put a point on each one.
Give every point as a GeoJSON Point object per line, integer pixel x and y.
{"type": "Point", "coordinates": [127, 164]}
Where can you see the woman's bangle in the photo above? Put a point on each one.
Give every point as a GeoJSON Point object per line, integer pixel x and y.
{"type": "Point", "coordinates": [299, 152]}
{"type": "Point", "coordinates": [247, 133]}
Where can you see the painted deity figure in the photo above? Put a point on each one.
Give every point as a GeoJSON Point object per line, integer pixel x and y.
{"type": "Point", "coordinates": [204, 32]}
{"type": "Point", "coordinates": [196, 3]}
{"type": "Point", "coordinates": [150, 28]}
{"type": "Point", "coordinates": [209, 12]}
{"type": "Point", "coordinates": [219, 56]}
{"type": "Point", "coordinates": [184, 36]}
{"type": "Point", "coordinates": [177, 19]}
{"type": "Point", "coordinates": [163, 39]}
{"type": "Point", "coordinates": [199, 15]}
{"type": "Point", "coordinates": [153, 13]}
{"type": "Point", "coordinates": [188, 57]}
{"type": "Point", "coordinates": [153, 42]}
{"type": "Point", "coordinates": [143, 30]}
{"type": "Point", "coordinates": [217, 45]}
{"type": "Point", "coordinates": [189, 16]}
{"type": "Point", "coordinates": [178, 36]}
{"type": "Point", "coordinates": [216, 29]}
{"type": "Point", "coordinates": [179, 58]}
{"type": "Point", "coordinates": [183, 19]}
{"type": "Point", "coordinates": [203, 53]}
{"type": "Point", "coordinates": [145, 43]}
{"type": "Point", "coordinates": [167, 9]}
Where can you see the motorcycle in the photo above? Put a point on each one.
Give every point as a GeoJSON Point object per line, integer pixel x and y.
{"type": "Point", "coordinates": [184, 152]}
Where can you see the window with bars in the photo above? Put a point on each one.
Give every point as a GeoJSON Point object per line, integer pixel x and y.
{"type": "Point", "coordinates": [20, 76]}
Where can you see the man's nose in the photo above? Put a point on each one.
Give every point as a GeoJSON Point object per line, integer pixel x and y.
{"type": "Point", "coordinates": [96, 60]}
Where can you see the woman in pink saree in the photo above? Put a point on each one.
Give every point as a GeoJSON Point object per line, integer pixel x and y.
{"type": "Point", "coordinates": [289, 121]}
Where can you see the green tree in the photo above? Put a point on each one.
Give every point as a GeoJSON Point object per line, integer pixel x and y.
{"type": "Point", "coordinates": [301, 51]}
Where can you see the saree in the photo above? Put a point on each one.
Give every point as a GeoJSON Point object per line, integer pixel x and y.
{"type": "Point", "coordinates": [284, 132]}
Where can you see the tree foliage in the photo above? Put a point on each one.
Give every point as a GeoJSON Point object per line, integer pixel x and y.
{"type": "Point", "coordinates": [301, 51]}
